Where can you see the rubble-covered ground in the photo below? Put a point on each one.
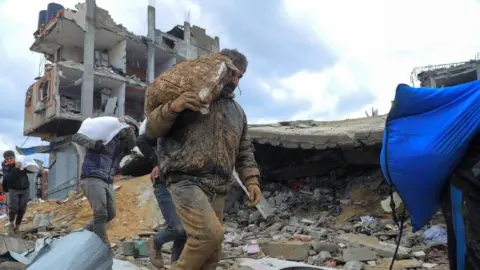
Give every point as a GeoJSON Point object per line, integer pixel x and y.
{"type": "Point", "coordinates": [337, 224]}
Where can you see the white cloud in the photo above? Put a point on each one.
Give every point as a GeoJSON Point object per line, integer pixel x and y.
{"type": "Point", "coordinates": [379, 43]}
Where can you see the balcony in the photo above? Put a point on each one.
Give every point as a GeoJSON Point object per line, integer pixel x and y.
{"type": "Point", "coordinates": [54, 100]}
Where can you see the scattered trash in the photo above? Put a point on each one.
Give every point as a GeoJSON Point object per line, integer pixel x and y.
{"type": "Point", "coordinates": [435, 235]}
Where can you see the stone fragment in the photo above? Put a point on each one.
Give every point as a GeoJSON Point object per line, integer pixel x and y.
{"type": "Point", "coordinates": [292, 250]}
{"type": "Point", "coordinates": [399, 264]}
{"type": "Point", "coordinates": [382, 249]}
{"type": "Point", "coordinates": [316, 233]}
{"type": "Point", "coordinates": [42, 220]}
{"type": "Point", "coordinates": [358, 254]}
{"type": "Point", "coordinates": [429, 265]}
{"type": "Point", "coordinates": [353, 265]}
{"type": "Point", "coordinates": [324, 246]}
{"type": "Point", "coordinates": [419, 255]}
{"type": "Point", "coordinates": [324, 256]}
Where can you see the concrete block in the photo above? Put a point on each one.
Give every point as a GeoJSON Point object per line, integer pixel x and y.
{"type": "Point", "coordinates": [353, 265]}
{"type": "Point", "coordinates": [324, 246]}
{"type": "Point", "coordinates": [382, 249]}
{"type": "Point", "coordinates": [292, 250]}
{"type": "Point", "coordinates": [358, 254]}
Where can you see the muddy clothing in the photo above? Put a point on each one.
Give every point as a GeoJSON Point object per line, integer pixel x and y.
{"type": "Point", "coordinates": [202, 214]}
{"type": "Point", "coordinates": [460, 203]}
{"type": "Point", "coordinates": [14, 178]}
{"type": "Point", "coordinates": [101, 197]}
{"type": "Point", "coordinates": [104, 165]}
{"type": "Point", "coordinates": [204, 148]}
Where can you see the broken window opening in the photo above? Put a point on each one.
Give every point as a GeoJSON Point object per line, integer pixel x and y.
{"type": "Point", "coordinates": [44, 91]}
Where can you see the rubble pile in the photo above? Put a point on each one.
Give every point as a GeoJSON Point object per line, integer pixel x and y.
{"type": "Point", "coordinates": [137, 211]}
{"type": "Point", "coordinates": [343, 227]}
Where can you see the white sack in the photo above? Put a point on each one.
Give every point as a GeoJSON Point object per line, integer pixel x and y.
{"type": "Point", "coordinates": [143, 127]}
{"type": "Point", "coordinates": [102, 128]}
{"type": "Point", "coordinates": [29, 164]}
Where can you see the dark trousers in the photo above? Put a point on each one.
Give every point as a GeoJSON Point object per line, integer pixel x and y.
{"type": "Point", "coordinates": [460, 203]}
{"type": "Point", "coordinates": [174, 229]}
{"type": "Point", "coordinates": [17, 204]}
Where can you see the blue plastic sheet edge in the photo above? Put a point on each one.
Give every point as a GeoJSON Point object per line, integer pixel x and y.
{"type": "Point", "coordinates": [460, 105]}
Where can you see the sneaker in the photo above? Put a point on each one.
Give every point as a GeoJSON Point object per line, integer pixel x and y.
{"type": "Point", "coordinates": [156, 258]}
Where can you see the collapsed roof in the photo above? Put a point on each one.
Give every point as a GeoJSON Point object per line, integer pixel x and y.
{"type": "Point", "coordinates": [321, 135]}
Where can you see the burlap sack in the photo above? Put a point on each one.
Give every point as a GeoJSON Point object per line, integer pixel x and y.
{"type": "Point", "coordinates": [205, 76]}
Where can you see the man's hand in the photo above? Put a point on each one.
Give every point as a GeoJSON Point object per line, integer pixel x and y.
{"type": "Point", "coordinates": [100, 147]}
{"type": "Point", "coordinates": [254, 193]}
{"type": "Point", "coordinates": [18, 165]}
{"type": "Point", "coordinates": [154, 174]}
{"type": "Point", "coordinates": [187, 100]}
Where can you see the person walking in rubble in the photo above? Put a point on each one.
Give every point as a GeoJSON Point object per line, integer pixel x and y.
{"type": "Point", "coordinates": [16, 188]}
{"type": "Point", "coordinates": [99, 166]}
{"type": "Point", "coordinates": [199, 153]}
{"type": "Point", "coordinates": [174, 230]}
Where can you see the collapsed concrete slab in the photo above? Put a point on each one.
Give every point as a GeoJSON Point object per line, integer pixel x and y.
{"type": "Point", "coordinates": [321, 135]}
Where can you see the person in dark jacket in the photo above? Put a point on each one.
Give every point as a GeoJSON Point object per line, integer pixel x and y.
{"type": "Point", "coordinates": [99, 167]}
{"type": "Point", "coordinates": [197, 156]}
{"type": "Point", "coordinates": [174, 230]}
{"type": "Point", "coordinates": [16, 187]}
{"type": "Point", "coordinates": [460, 201]}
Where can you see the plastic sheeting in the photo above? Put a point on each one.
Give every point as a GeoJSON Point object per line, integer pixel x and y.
{"type": "Point", "coordinates": [80, 250]}
{"type": "Point", "coordinates": [426, 135]}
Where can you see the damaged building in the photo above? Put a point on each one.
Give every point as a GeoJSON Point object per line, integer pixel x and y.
{"type": "Point", "coordinates": [310, 156]}
{"type": "Point", "coordinates": [438, 76]}
{"type": "Point", "coordinates": [95, 68]}
{"type": "Point", "coordinates": [124, 63]}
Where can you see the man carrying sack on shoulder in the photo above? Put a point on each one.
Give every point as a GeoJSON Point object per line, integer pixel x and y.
{"type": "Point", "coordinates": [199, 154]}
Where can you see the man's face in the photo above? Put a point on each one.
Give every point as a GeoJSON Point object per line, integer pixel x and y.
{"type": "Point", "coordinates": [9, 160]}
{"type": "Point", "coordinates": [234, 83]}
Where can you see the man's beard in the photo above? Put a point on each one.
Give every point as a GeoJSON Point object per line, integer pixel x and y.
{"type": "Point", "coordinates": [229, 88]}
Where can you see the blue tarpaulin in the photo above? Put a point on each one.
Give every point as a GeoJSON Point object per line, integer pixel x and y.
{"type": "Point", "coordinates": [426, 135]}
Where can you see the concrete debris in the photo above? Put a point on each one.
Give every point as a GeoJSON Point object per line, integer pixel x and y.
{"type": "Point", "coordinates": [342, 228]}
{"type": "Point", "coordinates": [353, 265]}
{"type": "Point", "coordinates": [359, 254]}
{"type": "Point", "coordinates": [381, 248]}
{"type": "Point", "coordinates": [42, 220]}
{"type": "Point", "coordinates": [294, 250]}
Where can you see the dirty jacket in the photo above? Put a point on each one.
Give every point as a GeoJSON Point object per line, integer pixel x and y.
{"type": "Point", "coordinates": [204, 148]}
{"type": "Point", "coordinates": [14, 178]}
{"type": "Point", "coordinates": [104, 166]}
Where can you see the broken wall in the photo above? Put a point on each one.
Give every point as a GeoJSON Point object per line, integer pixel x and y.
{"type": "Point", "coordinates": [165, 65]}
{"type": "Point", "coordinates": [206, 45]}
{"type": "Point", "coordinates": [70, 53]}
{"type": "Point", "coordinates": [117, 55]}
{"type": "Point", "coordinates": [40, 101]}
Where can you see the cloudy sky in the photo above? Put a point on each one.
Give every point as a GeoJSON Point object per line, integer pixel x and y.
{"type": "Point", "coordinates": [309, 59]}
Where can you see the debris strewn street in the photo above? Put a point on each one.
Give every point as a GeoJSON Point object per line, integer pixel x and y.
{"type": "Point", "coordinates": [343, 228]}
